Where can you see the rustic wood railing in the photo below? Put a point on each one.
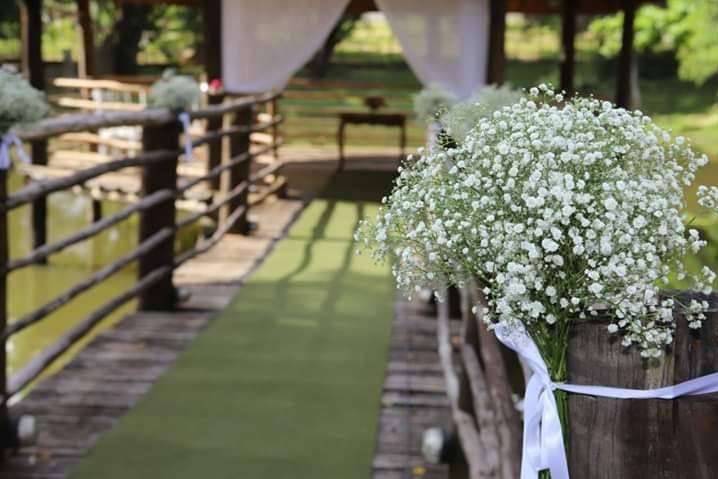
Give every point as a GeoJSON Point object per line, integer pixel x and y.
{"type": "Point", "coordinates": [479, 387]}
{"type": "Point", "coordinates": [155, 252]}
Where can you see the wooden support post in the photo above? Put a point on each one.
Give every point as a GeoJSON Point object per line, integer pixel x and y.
{"type": "Point", "coordinates": [212, 26]}
{"type": "Point", "coordinates": [495, 73]}
{"type": "Point", "coordinates": [155, 177]}
{"type": "Point", "coordinates": [34, 70]}
{"type": "Point", "coordinates": [39, 206]}
{"type": "Point", "coordinates": [568, 45]}
{"type": "Point", "coordinates": [238, 145]}
{"type": "Point", "coordinates": [86, 61]}
{"type": "Point", "coordinates": [4, 416]}
{"type": "Point", "coordinates": [273, 110]}
{"type": "Point", "coordinates": [625, 59]}
{"type": "Point", "coordinates": [643, 437]}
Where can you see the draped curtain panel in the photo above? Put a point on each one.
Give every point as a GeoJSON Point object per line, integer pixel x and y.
{"type": "Point", "coordinates": [445, 42]}
{"type": "Point", "coordinates": [264, 42]}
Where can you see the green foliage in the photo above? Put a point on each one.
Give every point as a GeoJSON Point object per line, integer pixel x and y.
{"type": "Point", "coordinates": [684, 27]}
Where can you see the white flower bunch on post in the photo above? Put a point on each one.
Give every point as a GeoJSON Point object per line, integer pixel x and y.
{"type": "Point", "coordinates": [431, 102]}
{"type": "Point", "coordinates": [461, 117]}
{"type": "Point", "coordinates": [20, 103]}
{"type": "Point", "coordinates": [176, 92]}
{"type": "Point", "coordinates": [563, 211]}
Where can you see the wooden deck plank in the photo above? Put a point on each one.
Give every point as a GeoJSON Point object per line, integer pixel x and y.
{"type": "Point", "coordinates": [414, 397]}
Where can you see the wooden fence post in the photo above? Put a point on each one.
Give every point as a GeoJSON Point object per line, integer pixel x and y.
{"type": "Point", "coordinates": [39, 206]}
{"type": "Point", "coordinates": [4, 416]}
{"type": "Point", "coordinates": [239, 145]}
{"type": "Point", "coordinates": [612, 438]}
{"type": "Point", "coordinates": [155, 177]}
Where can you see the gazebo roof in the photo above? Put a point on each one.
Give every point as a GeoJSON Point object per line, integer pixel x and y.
{"type": "Point", "coordinates": [585, 7]}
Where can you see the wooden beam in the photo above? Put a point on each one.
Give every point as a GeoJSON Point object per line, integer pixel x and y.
{"type": "Point", "coordinates": [212, 22]}
{"type": "Point", "coordinates": [568, 47]}
{"type": "Point", "coordinates": [86, 60]}
{"type": "Point", "coordinates": [156, 177]}
{"type": "Point", "coordinates": [625, 59]}
{"type": "Point", "coordinates": [31, 31]}
{"type": "Point", "coordinates": [497, 41]}
{"type": "Point", "coordinates": [4, 257]}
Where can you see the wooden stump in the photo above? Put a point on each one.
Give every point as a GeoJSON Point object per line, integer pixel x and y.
{"type": "Point", "coordinates": [620, 438]}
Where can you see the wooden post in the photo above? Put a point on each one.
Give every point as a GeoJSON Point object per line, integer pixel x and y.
{"type": "Point", "coordinates": [212, 26]}
{"type": "Point", "coordinates": [625, 59]}
{"type": "Point", "coordinates": [238, 145]}
{"type": "Point", "coordinates": [159, 176]}
{"type": "Point", "coordinates": [568, 46]}
{"type": "Point", "coordinates": [34, 70]}
{"type": "Point", "coordinates": [643, 437]}
{"type": "Point", "coordinates": [496, 70]}
{"type": "Point", "coordinates": [86, 61]}
{"type": "Point", "coordinates": [4, 416]}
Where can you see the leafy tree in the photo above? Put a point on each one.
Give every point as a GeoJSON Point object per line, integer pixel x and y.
{"type": "Point", "coordinates": [319, 64]}
{"type": "Point", "coordinates": [684, 27]}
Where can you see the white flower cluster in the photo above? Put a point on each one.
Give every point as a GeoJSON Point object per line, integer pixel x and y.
{"type": "Point", "coordinates": [462, 117]}
{"type": "Point", "coordinates": [560, 210]}
{"type": "Point", "coordinates": [20, 103]}
{"type": "Point", "coordinates": [176, 92]}
{"type": "Point", "coordinates": [431, 102]}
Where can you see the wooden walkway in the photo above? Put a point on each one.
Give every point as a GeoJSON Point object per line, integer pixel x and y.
{"type": "Point", "coordinates": [75, 406]}
{"type": "Point", "coordinates": [414, 396]}
{"type": "Point", "coordinates": [103, 382]}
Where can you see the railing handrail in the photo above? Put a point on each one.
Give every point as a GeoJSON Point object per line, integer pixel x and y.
{"type": "Point", "coordinates": [79, 122]}
{"type": "Point", "coordinates": [158, 160]}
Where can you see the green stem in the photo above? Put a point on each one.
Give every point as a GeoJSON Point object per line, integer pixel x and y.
{"type": "Point", "coordinates": [552, 341]}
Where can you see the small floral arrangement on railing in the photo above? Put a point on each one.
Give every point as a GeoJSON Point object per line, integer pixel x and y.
{"type": "Point", "coordinates": [462, 116]}
{"type": "Point", "coordinates": [176, 92]}
{"type": "Point", "coordinates": [431, 102]}
{"type": "Point", "coordinates": [563, 210]}
{"type": "Point", "coordinates": [179, 93]}
{"type": "Point", "coordinates": [20, 104]}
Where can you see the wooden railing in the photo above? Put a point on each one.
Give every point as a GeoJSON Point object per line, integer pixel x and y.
{"type": "Point", "coordinates": [156, 207]}
{"type": "Point", "coordinates": [479, 386]}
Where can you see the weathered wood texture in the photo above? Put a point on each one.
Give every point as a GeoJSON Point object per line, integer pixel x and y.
{"type": "Point", "coordinates": [618, 438]}
{"type": "Point", "coordinates": [98, 386]}
{"type": "Point", "coordinates": [414, 396]}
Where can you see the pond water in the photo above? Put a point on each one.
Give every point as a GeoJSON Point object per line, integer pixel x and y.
{"type": "Point", "coordinates": [31, 287]}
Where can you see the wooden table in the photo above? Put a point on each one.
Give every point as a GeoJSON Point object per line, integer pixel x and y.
{"type": "Point", "coordinates": [373, 118]}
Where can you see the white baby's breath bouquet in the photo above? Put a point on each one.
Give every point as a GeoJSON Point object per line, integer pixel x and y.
{"type": "Point", "coordinates": [430, 103]}
{"type": "Point", "coordinates": [20, 102]}
{"type": "Point", "coordinates": [460, 118]}
{"type": "Point", "coordinates": [560, 209]}
{"type": "Point", "coordinates": [176, 92]}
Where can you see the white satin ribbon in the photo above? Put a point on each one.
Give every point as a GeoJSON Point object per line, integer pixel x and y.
{"type": "Point", "coordinates": [9, 139]}
{"type": "Point", "coordinates": [186, 121]}
{"type": "Point", "coordinates": [543, 446]}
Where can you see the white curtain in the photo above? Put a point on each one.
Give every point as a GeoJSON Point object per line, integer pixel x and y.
{"type": "Point", "coordinates": [444, 41]}
{"type": "Point", "coordinates": [265, 41]}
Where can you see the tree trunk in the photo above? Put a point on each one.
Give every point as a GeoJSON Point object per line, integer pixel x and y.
{"type": "Point", "coordinates": [134, 21]}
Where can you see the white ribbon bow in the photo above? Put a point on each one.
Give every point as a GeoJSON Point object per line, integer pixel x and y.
{"type": "Point", "coordinates": [9, 139]}
{"type": "Point", "coordinates": [186, 121]}
{"type": "Point", "coordinates": [543, 446]}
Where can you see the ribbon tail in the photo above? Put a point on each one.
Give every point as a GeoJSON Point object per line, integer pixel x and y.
{"type": "Point", "coordinates": [185, 120]}
{"type": "Point", "coordinates": [552, 445]}
{"type": "Point", "coordinates": [21, 153]}
{"type": "Point", "coordinates": [4, 154]}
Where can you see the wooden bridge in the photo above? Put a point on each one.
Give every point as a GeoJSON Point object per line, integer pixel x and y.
{"type": "Point", "coordinates": [180, 292]}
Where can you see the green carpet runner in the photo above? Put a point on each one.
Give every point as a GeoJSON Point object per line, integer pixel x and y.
{"type": "Point", "coordinates": [286, 383]}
